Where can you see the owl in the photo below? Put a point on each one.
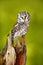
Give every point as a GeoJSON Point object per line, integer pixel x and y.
{"type": "Point", "coordinates": [20, 28]}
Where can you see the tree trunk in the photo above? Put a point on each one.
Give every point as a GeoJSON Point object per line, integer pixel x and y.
{"type": "Point", "coordinates": [21, 55]}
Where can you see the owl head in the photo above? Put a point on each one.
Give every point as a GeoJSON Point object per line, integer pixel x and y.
{"type": "Point", "coordinates": [23, 17]}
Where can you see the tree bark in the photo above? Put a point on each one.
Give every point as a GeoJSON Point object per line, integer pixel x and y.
{"type": "Point", "coordinates": [21, 55]}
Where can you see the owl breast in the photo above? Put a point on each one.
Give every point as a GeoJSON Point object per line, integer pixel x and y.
{"type": "Point", "coordinates": [21, 29]}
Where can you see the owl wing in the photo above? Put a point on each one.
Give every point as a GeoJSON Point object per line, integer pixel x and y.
{"type": "Point", "coordinates": [14, 30]}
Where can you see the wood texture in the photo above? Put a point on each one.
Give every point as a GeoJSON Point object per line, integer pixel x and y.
{"type": "Point", "coordinates": [20, 53]}
{"type": "Point", "coordinates": [21, 56]}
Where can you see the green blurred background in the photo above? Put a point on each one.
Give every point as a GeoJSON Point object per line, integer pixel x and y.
{"type": "Point", "coordinates": [34, 37]}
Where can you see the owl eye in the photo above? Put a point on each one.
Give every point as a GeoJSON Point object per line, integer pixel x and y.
{"type": "Point", "coordinates": [25, 16]}
{"type": "Point", "coordinates": [22, 17]}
